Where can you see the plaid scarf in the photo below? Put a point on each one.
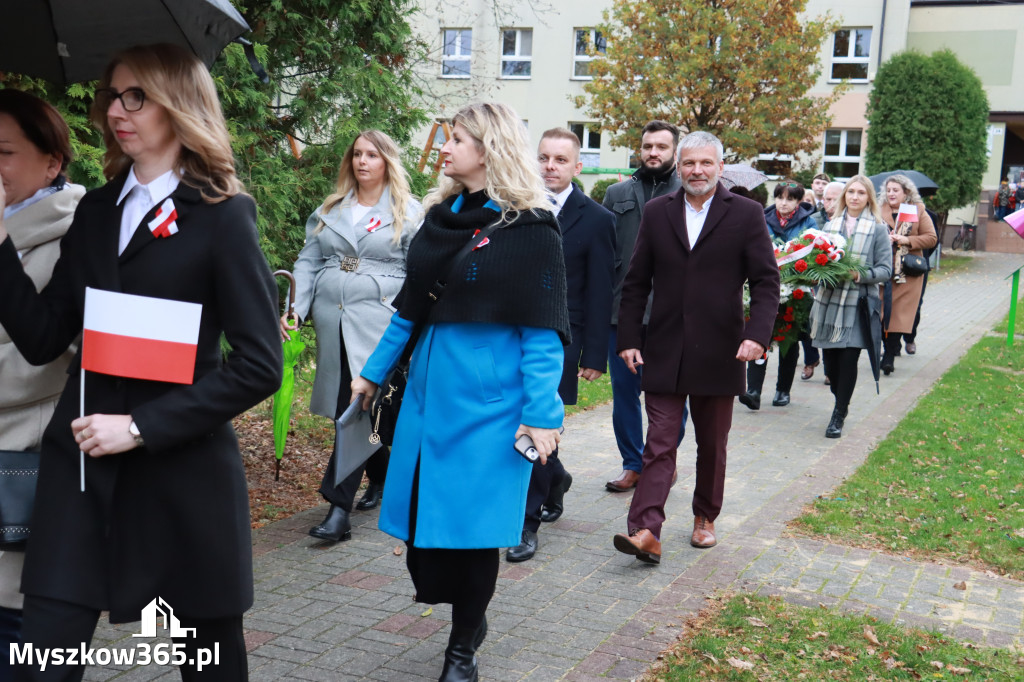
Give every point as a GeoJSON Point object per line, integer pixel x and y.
{"type": "Point", "coordinates": [902, 230]}
{"type": "Point", "coordinates": [835, 310]}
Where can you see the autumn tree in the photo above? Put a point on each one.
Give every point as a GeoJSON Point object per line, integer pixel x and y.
{"type": "Point", "coordinates": [740, 69]}
{"type": "Point", "coordinates": [930, 114]}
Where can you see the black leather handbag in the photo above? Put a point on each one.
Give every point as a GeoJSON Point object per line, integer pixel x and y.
{"type": "Point", "coordinates": [915, 265]}
{"type": "Point", "coordinates": [388, 399]}
{"type": "Point", "coordinates": [19, 472]}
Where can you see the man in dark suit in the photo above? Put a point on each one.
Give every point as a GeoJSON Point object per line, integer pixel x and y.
{"type": "Point", "coordinates": [656, 177]}
{"type": "Point", "coordinates": [588, 242]}
{"type": "Point", "coordinates": [698, 244]}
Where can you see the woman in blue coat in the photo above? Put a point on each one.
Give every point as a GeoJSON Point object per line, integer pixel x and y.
{"type": "Point", "coordinates": [485, 369]}
{"type": "Point", "coordinates": [787, 219]}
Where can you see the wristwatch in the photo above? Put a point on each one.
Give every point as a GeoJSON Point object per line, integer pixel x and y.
{"type": "Point", "coordinates": [134, 431]}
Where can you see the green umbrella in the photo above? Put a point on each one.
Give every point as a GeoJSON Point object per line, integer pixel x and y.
{"type": "Point", "coordinates": [283, 398]}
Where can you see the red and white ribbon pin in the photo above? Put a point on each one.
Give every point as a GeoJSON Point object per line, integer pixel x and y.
{"type": "Point", "coordinates": [483, 243]}
{"type": "Point", "coordinates": [374, 225]}
{"type": "Point", "coordinates": [163, 225]}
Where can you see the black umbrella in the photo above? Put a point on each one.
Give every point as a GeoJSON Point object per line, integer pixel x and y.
{"type": "Point", "coordinates": [869, 312]}
{"type": "Point", "coordinates": [925, 185]}
{"type": "Point", "coordinates": [72, 41]}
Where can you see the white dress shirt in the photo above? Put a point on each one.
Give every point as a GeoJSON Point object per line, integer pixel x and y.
{"type": "Point", "coordinates": [695, 218]}
{"type": "Point", "coordinates": [561, 197]}
{"type": "Point", "coordinates": [141, 200]}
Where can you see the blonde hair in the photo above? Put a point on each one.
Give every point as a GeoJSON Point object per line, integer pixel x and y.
{"type": "Point", "coordinates": [909, 188]}
{"type": "Point", "coordinates": [177, 80]}
{"type": "Point", "coordinates": [513, 178]}
{"type": "Point", "coordinates": [868, 187]}
{"type": "Point", "coordinates": [395, 175]}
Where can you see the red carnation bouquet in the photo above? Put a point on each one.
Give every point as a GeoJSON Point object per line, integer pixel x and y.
{"type": "Point", "coordinates": [813, 258]}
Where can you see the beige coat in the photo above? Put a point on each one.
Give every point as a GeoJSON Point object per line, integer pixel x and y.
{"type": "Point", "coordinates": [907, 295]}
{"type": "Point", "coordinates": [28, 394]}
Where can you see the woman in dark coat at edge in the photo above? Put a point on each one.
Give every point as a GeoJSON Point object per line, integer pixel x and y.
{"type": "Point", "coordinates": [787, 219]}
{"type": "Point", "coordinates": [485, 370]}
{"type": "Point", "coordinates": [165, 510]}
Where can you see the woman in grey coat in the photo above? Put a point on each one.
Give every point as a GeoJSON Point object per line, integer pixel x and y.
{"type": "Point", "coordinates": [836, 327]}
{"type": "Point", "coordinates": [347, 275]}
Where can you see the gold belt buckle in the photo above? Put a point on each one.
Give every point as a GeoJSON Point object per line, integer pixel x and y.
{"type": "Point", "coordinates": [349, 263]}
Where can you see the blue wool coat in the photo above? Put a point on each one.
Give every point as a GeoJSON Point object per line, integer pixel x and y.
{"type": "Point", "coordinates": [470, 386]}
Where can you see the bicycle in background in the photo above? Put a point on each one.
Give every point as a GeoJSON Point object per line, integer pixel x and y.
{"type": "Point", "coordinates": [965, 238]}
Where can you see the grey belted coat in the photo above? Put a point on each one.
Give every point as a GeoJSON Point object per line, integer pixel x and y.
{"type": "Point", "coordinates": [355, 303]}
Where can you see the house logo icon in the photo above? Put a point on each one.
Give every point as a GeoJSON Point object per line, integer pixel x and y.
{"type": "Point", "coordinates": [150, 614]}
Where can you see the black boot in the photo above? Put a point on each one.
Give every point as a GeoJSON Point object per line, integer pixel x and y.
{"type": "Point", "coordinates": [751, 399]}
{"type": "Point", "coordinates": [525, 550]}
{"type": "Point", "coordinates": [460, 656]}
{"type": "Point", "coordinates": [835, 425]}
{"type": "Point", "coordinates": [553, 506]}
{"type": "Point", "coordinates": [335, 527]}
{"type": "Point", "coordinates": [888, 364]}
{"type": "Point", "coordinates": [371, 498]}
{"type": "Point", "coordinates": [781, 399]}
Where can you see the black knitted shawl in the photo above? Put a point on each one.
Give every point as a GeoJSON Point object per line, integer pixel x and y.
{"type": "Point", "coordinates": [517, 277]}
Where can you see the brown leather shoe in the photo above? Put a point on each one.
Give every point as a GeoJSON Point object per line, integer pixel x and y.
{"type": "Point", "coordinates": [703, 533]}
{"type": "Point", "coordinates": [626, 480]}
{"type": "Point", "coordinates": [808, 371]}
{"type": "Point", "coordinates": [641, 543]}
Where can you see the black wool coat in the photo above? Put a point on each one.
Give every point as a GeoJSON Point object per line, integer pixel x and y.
{"type": "Point", "coordinates": [697, 323]}
{"type": "Point", "coordinates": [588, 243]}
{"type": "Point", "coordinates": [170, 519]}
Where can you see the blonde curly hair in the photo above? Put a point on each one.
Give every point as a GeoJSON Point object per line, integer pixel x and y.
{"type": "Point", "coordinates": [513, 178]}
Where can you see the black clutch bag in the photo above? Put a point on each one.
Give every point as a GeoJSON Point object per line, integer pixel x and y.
{"type": "Point", "coordinates": [914, 265]}
{"type": "Point", "coordinates": [19, 472]}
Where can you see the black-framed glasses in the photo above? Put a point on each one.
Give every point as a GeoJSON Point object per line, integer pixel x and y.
{"type": "Point", "coordinates": [132, 99]}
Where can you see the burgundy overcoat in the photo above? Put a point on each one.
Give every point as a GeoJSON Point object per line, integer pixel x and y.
{"type": "Point", "coordinates": [697, 323]}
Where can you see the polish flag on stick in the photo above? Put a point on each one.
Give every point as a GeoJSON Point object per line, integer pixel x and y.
{"type": "Point", "coordinates": [139, 337]}
{"type": "Point", "coordinates": [908, 214]}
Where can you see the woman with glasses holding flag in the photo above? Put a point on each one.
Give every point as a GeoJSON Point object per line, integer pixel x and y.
{"type": "Point", "coordinates": [157, 506]}
{"type": "Point", "coordinates": [911, 231]}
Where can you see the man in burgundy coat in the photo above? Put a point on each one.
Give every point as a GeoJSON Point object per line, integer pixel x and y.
{"type": "Point", "coordinates": [696, 248]}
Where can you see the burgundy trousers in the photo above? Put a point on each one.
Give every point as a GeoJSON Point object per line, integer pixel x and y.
{"type": "Point", "coordinates": [712, 418]}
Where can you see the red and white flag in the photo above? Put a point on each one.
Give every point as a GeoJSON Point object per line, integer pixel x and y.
{"type": "Point", "coordinates": [907, 214]}
{"type": "Point", "coordinates": [163, 225]}
{"type": "Point", "coordinates": [374, 225]}
{"type": "Point", "coordinates": [140, 337]}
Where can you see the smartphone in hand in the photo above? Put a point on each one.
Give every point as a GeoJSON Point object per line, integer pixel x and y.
{"type": "Point", "coordinates": [525, 447]}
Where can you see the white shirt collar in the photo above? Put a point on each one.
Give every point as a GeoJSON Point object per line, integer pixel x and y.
{"type": "Point", "coordinates": [703, 208]}
{"type": "Point", "coordinates": [561, 197]}
{"type": "Point", "coordinates": [158, 188]}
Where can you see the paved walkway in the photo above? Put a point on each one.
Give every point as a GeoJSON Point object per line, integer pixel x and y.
{"type": "Point", "coordinates": [582, 611]}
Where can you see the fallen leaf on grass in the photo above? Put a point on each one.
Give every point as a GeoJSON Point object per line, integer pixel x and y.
{"type": "Point", "coordinates": [890, 663]}
{"type": "Point", "coordinates": [756, 622]}
{"type": "Point", "coordinates": [739, 664]}
{"type": "Point", "coordinates": [958, 671]}
{"type": "Point", "coordinates": [938, 665]}
{"type": "Point", "coordinates": [869, 634]}
{"type": "Point", "coordinates": [744, 650]}
{"type": "Point", "coordinates": [817, 635]}
{"type": "Point", "coordinates": [962, 585]}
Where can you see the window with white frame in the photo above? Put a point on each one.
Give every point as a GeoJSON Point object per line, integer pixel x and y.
{"type": "Point", "coordinates": [585, 38]}
{"type": "Point", "coordinates": [851, 52]}
{"type": "Point", "coordinates": [590, 143]}
{"type": "Point", "coordinates": [842, 153]}
{"type": "Point", "coordinates": [516, 52]}
{"type": "Point", "coordinates": [458, 42]}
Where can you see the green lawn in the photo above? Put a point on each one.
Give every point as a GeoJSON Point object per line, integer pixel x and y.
{"type": "Point", "coordinates": [755, 638]}
{"type": "Point", "coordinates": [591, 394]}
{"type": "Point", "coordinates": [950, 264]}
{"type": "Point", "coordinates": [948, 481]}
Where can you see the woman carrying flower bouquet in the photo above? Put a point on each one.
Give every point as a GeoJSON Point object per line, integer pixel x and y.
{"type": "Point", "coordinates": [911, 233]}
{"type": "Point", "coordinates": [786, 220]}
{"type": "Point", "coordinates": [836, 328]}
